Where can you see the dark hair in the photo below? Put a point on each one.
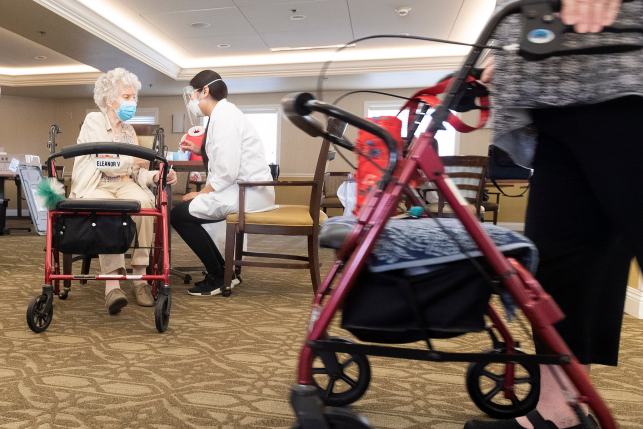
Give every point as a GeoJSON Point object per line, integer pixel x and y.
{"type": "Point", "coordinates": [218, 91]}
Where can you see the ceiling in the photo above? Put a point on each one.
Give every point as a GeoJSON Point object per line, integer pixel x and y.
{"type": "Point", "coordinates": [154, 39]}
{"type": "Point", "coordinates": [250, 28]}
{"type": "Point", "coordinates": [17, 52]}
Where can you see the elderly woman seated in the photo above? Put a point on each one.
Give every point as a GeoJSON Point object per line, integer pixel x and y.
{"type": "Point", "coordinates": [116, 93]}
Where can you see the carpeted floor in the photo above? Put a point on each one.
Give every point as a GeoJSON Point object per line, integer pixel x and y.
{"type": "Point", "coordinates": [224, 362]}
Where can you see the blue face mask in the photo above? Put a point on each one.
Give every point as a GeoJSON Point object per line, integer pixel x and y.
{"type": "Point", "coordinates": [126, 110]}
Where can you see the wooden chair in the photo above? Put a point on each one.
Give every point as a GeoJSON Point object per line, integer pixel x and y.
{"type": "Point", "coordinates": [468, 174]}
{"type": "Point", "coordinates": [332, 182]}
{"type": "Point", "coordinates": [285, 220]}
{"type": "Point", "coordinates": [490, 206]}
{"type": "Point", "coordinates": [149, 136]}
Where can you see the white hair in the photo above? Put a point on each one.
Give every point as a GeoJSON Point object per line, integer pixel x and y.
{"type": "Point", "coordinates": [107, 85]}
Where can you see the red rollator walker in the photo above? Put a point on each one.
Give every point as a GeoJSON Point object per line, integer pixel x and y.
{"type": "Point", "coordinates": [112, 217]}
{"type": "Point", "coordinates": [313, 404]}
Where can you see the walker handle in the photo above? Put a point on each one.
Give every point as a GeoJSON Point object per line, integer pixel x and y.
{"type": "Point", "coordinates": [298, 106]}
{"type": "Point", "coordinates": [111, 148]}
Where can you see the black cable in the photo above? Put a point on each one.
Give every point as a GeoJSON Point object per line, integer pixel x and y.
{"type": "Point", "coordinates": [320, 81]}
{"type": "Point", "coordinates": [373, 92]}
{"type": "Point", "coordinates": [343, 157]}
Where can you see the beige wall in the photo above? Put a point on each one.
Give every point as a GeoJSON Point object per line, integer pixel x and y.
{"type": "Point", "coordinates": [298, 151]}
{"type": "Point", "coordinates": [25, 126]}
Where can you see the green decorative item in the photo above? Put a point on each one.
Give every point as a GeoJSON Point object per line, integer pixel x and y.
{"type": "Point", "coordinates": [51, 192]}
{"type": "Point", "coordinates": [416, 211]}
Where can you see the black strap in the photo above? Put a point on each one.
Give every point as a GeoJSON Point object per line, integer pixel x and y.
{"type": "Point", "coordinates": [510, 196]}
{"type": "Point", "coordinates": [539, 422]}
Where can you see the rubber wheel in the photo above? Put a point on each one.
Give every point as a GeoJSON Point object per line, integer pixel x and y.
{"type": "Point", "coordinates": [37, 319]}
{"type": "Point", "coordinates": [347, 386]}
{"type": "Point", "coordinates": [341, 418]}
{"type": "Point", "coordinates": [162, 313]}
{"type": "Point", "coordinates": [63, 295]}
{"type": "Point", "coordinates": [485, 383]}
{"type": "Point", "coordinates": [226, 293]}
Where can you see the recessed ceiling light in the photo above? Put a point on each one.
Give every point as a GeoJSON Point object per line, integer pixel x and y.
{"type": "Point", "coordinates": [200, 25]}
{"type": "Point", "coordinates": [297, 17]}
{"type": "Point", "coordinates": [223, 45]}
{"type": "Point", "coordinates": [308, 48]}
{"type": "Point", "coordinates": [40, 57]}
{"type": "Point", "coordinates": [403, 11]}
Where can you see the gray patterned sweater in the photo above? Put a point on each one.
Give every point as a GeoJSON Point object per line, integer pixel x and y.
{"type": "Point", "coordinates": [521, 85]}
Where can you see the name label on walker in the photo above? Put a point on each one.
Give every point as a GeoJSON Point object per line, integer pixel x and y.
{"type": "Point", "coordinates": [107, 162]}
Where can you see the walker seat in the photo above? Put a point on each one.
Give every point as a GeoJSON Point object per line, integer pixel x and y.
{"type": "Point", "coordinates": [417, 265]}
{"type": "Point", "coordinates": [99, 205]}
{"type": "Point", "coordinates": [411, 243]}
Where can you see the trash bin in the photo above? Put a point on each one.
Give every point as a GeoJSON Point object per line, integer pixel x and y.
{"type": "Point", "coordinates": [3, 215]}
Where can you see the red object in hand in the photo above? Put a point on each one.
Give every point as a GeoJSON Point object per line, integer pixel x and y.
{"type": "Point", "coordinates": [368, 174]}
{"type": "Point", "coordinates": [196, 135]}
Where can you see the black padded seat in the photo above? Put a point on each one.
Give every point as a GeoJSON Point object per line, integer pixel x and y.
{"type": "Point", "coordinates": [99, 205]}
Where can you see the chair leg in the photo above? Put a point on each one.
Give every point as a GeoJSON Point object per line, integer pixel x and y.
{"type": "Point", "coordinates": [313, 261]}
{"type": "Point", "coordinates": [238, 251]}
{"type": "Point", "coordinates": [229, 251]}
{"type": "Point", "coordinates": [495, 217]}
{"type": "Point", "coordinates": [67, 269]}
{"type": "Point", "coordinates": [87, 262]}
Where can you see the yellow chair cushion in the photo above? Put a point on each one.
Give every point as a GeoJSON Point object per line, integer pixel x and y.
{"type": "Point", "coordinates": [283, 216]}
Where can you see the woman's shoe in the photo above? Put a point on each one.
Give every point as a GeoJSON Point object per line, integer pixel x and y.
{"type": "Point", "coordinates": [210, 286]}
{"type": "Point", "coordinates": [534, 417]}
{"type": "Point", "coordinates": [115, 300]}
{"type": "Point", "coordinates": [143, 294]}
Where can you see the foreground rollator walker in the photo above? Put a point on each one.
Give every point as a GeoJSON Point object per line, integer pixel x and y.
{"type": "Point", "coordinates": [506, 276]}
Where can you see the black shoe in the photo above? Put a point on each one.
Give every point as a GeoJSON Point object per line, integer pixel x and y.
{"type": "Point", "coordinates": [235, 280]}
{"type": "Point", "coordinates": [534, 417]}
{"type": "Point", "coordinates": [209, 286]}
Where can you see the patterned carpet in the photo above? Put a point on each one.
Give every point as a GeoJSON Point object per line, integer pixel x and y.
{"type": "Point", "coordinates": [223, 363]}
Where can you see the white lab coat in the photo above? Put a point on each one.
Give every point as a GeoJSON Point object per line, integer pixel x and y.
{"type": "Point", "coordinates": [236, 154]}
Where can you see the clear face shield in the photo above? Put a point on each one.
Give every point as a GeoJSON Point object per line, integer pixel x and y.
{"type": "Point", "coordinates": [190, 93]}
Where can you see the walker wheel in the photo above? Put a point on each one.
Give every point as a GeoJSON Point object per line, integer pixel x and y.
{"type": "Point", "coordinates": [63, 295]}
{"type": "Point", "coordinates": [348, 383]}
{"type": "Point", "coordinates": [162, 312]}
{"type": "Point", "coordinates": [485, 382]}
{"type": "Point", "coordinates": [341, 418]}
{"type": "Point", "coordinates": [37, 319]}
{"type": "Point", "coordinates": [226, 292]}
{"type": "Point", "coordinates": [187, 279]}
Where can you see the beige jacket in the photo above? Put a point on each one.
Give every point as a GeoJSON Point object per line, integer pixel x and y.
{"type": "Point", "coordinates": [85, 176]}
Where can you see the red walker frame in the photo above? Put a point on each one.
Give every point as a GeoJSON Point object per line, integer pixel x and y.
{"type": "Point", "coordinates": [160, 281]}
{"type": "Point", "coordinates": [538, 306]}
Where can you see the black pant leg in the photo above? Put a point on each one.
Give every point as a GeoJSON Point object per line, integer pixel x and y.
{"type": "Point", "coordinates": [190, 229]}
{"type": "Point", "coordinates": [575, 219]}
